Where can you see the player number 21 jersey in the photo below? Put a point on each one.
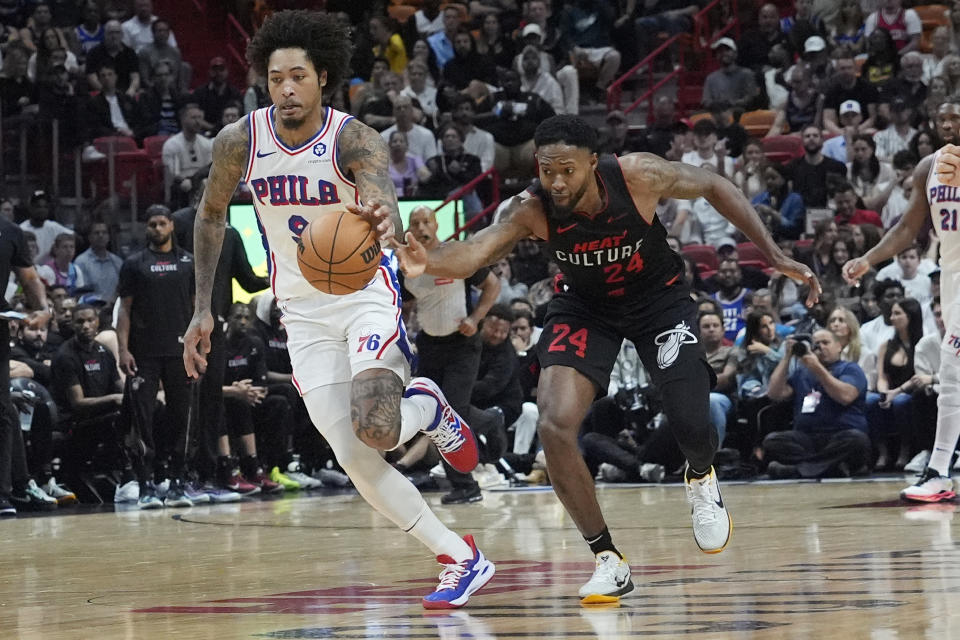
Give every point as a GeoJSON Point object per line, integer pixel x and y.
{"type": "Point", "coordinates": [292, 186]}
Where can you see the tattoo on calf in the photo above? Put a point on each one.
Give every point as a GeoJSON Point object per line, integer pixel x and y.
{"type": "Point", "coordinates": [375, 407]}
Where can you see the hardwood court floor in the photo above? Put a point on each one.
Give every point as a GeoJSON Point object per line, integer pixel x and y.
{"type": "Point", "coordinates": [830, 560]}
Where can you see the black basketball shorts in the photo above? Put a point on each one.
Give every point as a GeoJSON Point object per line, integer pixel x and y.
{"type": "Point", "coordinates": [579, 334]}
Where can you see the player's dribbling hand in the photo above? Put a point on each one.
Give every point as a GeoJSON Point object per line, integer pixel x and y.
{"type": "Point", "coordinates": [194, 360]}
{"type": "Point", "coordinates": [802, 274]}
{"type": "Point", "coordinates": [378, 217]}
{"type": "Point", "coordinates": [854, 269]}
{"type": "Point", "coordinates": [948, 165]}
{"type": "Point", "coordinates": [412, 257]}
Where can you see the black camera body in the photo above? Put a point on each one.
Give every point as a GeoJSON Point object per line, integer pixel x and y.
{"type": "Point", "coordinates": [803, 344]}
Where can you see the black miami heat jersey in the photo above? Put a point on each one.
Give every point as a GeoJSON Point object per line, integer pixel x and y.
{"type": "Point", "coordinates": [614, 256]}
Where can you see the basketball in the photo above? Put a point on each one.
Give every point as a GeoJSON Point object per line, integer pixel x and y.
{"type": "Point", "coordinates": [338, 253]}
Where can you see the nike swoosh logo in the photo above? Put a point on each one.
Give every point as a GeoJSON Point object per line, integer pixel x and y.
{"type": "Point", "coordinates": [622, 582]}
{"type": "Point", "coordinates": [719, 502]}
{"type": "Point", "coordinates": [622, 215]}
{"type": "Point", "coordinates": [566, 228]}
{"type": "Point", "coordinates": [264, 155]}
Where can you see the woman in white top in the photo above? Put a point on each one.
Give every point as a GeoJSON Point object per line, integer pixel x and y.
{"type": "Point", "coordinates": [50, 41]}
{"type": "Point", "coordinates": [749, 174]}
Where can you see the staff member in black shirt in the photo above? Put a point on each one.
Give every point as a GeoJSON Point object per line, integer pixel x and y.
{"type": "Point", "coordinates": [156, 304]}
{"type": "Point", "coordinates": [87, 389]}
{"type": "Point", "coordinates": [15, 257]}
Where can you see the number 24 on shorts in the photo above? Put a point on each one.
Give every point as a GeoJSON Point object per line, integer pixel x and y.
{"type": "Point", "coordinates": [370, 343]}
{"type": "Point", "coordinates": [577, 339]}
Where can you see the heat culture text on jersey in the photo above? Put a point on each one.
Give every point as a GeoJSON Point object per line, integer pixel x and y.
{"type": "Point", "coordinates": [596, 253]}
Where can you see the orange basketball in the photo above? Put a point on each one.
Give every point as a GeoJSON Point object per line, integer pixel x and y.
{"type": "Point", "coordinates": [338, 253]}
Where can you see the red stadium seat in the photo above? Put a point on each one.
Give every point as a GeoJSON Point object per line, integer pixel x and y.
{"type": "Point", "coordinates": [702, 254]}
{"type": "Point", "coordinates": [120, 143]}
{"type": "Point", "coordinates": [747, 251]}
{"type": "Point", "coordinates": [782, 148]}
{"type": "Point", "coordinates": [153, 145]}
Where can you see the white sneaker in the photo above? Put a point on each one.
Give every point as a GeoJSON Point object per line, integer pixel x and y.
{"type": "Point", "coordinates": [127, 493]}
{"type": "Point", "coordinates": [438, 471]}
{"type": "Point", "coordinates": [918, 462]}
{"type": "Point", "coordinates": [652, 472]}
{"type": "Point", "coordinates": [305, 481]}
{"type": "Point", "coordinates": [930, 487]}
{"type": "Point", "coordinates": [38, 495]}
{"type": "Point", "coordinates": [610, 580]}
{"type": "Point", "coordinates": [162, 488]}
{"type": "Point", "coordinates": [91, 154]}
{"type": "Point", "coordinates": [487, 476]}
{"type": "Point", "coordinates": [711, 522]}
{"type": "Point", "coordinates": [607, 472]}
{"type": "Point", "coordinates": [55, 491]}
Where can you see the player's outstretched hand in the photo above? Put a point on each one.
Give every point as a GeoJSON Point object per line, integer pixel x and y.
{"type": "Point", "coordinates": [198, 333]}
{"type": "Point", "coordinates": [412, 257]}
{"type": "Point", "coordinates": [802, 274]}
{"type": "Point", "coordinates": [854, 270]}
{"type": "Point", "coordinates": [379, 218]}
{"type": "Point", "coordinates": [948, 165]}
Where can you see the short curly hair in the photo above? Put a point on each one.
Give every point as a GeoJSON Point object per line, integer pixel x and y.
{"type": "Point", "coordinates": [325, 41]}
{"type": "Point", "coordinates": [566, 129]}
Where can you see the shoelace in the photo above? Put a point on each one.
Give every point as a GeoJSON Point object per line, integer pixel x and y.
{"type": "Point", "coordinates": [445, 436]}
{"type": "Point", "coordinates": [607, 569]}
{"type": "Point", "coordinates": [450, 576]}
{"type": "Point", "coordinates": [704, 509]}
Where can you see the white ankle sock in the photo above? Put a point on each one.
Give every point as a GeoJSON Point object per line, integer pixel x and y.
{"type": "Point", "coordinates": [416, 414]}
{"type": "Point", "coordinates": [438, 538]}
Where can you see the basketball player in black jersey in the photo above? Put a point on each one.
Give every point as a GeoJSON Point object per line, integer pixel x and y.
{"type": "Point", "coordinates": [621, 280]}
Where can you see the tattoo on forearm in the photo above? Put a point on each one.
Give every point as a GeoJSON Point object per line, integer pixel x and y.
{"type": "Point", "coordinates": [230, 150]}
{"type": "Point", "coordinates": [364, 153]}
{"type": "Point", "coordinates": [375, 407]}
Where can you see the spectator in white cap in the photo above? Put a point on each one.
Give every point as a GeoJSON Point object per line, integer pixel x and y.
{"type": "Point", "coordinates": [817, 59]}
{"type": "Point", "coordinates": [566, 76]}
{"type": "Point", "coordinates": [730, 83]}
{"type": "Point", "coordinates": [840, 148]}
{"type": "Point", "coordinates": [536, 79]}
{"type": "Point", "coordinates": [904, 25]}
{"type": "Point", "coordinates": [844, 87]}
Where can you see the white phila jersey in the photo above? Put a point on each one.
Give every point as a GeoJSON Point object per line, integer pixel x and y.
{"type": "Point", "coordinates": [945, 209]}
{"type": "Point", "coordinates": [292, 186]}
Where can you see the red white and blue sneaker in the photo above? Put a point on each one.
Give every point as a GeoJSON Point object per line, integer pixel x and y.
{"type": "Point", "coordinates": [460, 580]}
{"type": "Point", "coordinates": [448, 431]}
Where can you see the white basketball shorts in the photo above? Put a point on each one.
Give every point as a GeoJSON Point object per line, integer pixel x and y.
{"type": "Point", "coordinates": [333, 338]}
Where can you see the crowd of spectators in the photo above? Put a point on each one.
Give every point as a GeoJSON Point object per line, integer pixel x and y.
{"type": "Point", "coordinates": [459, 88]}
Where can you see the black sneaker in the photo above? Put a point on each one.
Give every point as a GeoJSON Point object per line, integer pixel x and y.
{"type": "Point", "coordinates": [175, 496]}
{"type": "Point", "coordinates": [6, 509]}
{"type": "Point", "coordinates": [463, 495]}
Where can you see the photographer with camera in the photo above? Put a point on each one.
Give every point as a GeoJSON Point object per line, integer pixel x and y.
{"type": "Point", "coordinates": [829, 434]}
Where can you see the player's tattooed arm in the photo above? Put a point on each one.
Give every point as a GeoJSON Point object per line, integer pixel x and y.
{"type": "Point", "coordinates": [375, 408]}
{"type": "Point", "coordinates": [659, 178]}
{"type": "Point", "coordinates": [230, 156]}
{"type": "Point", "coordinates": [365, 155]}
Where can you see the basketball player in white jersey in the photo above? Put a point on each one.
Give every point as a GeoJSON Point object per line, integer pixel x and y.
{"type": "Point", "coordinates": [936, 192]}
{"type": "Point", "coordinates": [349, 353]}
